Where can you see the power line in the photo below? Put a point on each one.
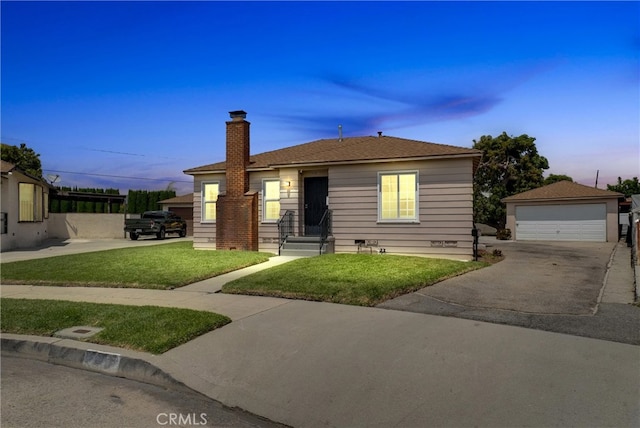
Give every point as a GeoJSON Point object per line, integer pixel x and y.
{"type": "Point", "coordinates": [117, 176]}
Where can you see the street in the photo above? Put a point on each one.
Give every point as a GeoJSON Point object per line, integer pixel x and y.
{"type": "Point", "coordinates": [39, 394]}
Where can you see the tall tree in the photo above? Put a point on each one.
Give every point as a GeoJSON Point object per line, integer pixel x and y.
{"type": "Point", "coordinates": [627, 187]}
{"type": "Point", "coordinates": [509, 165]}
{"type": "Point", "coordinates": [554, 178]}
{"type": "Point", "coordinates": [23, 157]}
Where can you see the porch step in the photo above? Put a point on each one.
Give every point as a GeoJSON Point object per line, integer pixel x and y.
{"type": "Point", "coordinates": [303, 246]}
{"type": "Point", "coordinates": [300, 252]}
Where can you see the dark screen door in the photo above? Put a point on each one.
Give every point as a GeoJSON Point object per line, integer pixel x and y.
{"type": "Point", "coordinates": [316, 190]}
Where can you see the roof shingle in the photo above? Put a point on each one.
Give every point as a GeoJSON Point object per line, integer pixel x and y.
{"type": "Point", "coordinates": [562, 190]}
{"type": "Point", "coordinates": [6, 166]}
{"type": "Point", "coordinates": [350, 149]}
{"type": "Point", "coordinates": [182, 199]}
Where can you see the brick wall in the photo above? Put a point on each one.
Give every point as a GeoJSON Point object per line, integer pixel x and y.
{"type": "Point", "coordinates": [237, 209]}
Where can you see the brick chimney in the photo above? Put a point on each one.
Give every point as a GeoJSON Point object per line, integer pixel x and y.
{"type": "Point", "coordinates": [237, 154]}
{"type": "Point", "coordinates": [237, 209]}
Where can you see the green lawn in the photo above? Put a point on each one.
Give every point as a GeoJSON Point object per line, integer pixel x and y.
{"type": "Point", "coordinates": [157, 266]}
{"type": "Point", "coordinates": [355, 279]}
{"type": "Point", "coordinates": [143, 328]}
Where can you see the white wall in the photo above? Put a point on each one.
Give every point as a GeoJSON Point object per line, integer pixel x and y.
{"type": "Point", "coordinates": [86, 225]}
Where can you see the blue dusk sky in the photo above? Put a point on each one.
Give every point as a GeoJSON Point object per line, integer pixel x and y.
{"type": "Point", "coordinates": [129, 94]}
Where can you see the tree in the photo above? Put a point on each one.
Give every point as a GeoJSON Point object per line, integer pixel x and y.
{"type": "Point", "coordinates": [23, 157]}
{"type": "Point", "coordinates": [554, 178]}
{"type": "Point", "coordinates": [627, 187]}
{"type": "Point", "coordinates": [509, 165]}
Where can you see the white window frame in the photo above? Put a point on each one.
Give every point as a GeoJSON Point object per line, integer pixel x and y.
{"type": "Point", "coordinates": [416, 217]}
{"type": "Point", "coordinates": [265, 200]}
{"type": "Point", "coordinates": [205, 202]}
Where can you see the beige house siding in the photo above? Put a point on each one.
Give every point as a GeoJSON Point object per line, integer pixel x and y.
{"type": "Point", "coordinates": [267, 231]}
{"type": "Point", "coordinates": [445, 200]}
{"type": "Point", "coordinates": [204, 234]}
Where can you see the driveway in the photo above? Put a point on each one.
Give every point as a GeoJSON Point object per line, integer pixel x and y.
{"type": "Point", "coordinates": [535, 277]}
{"type": "Point", "coordinates": [552, 286]}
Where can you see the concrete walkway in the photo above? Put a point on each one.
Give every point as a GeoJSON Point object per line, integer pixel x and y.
{"type": "Point", "coordinates": [319, 364]}
{"type": "Point", "coordinates": [619, 281]}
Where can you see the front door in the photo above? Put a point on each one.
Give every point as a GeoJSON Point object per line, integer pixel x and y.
{"type": "Point", "coordinates": [316, 190]}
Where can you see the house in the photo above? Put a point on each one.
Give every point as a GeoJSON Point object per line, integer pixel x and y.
{"type": "Point", "coordinates": [24, 208]}
{"type": "Point", "coordinates": [564, 211]}
{"type": "Point", "coordinates": [374, 193]}
{"type": "Point", "coordinates": [183, 207]}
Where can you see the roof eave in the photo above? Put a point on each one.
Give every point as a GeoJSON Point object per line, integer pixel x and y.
{"type": "Point", "coordinates": [370, 161]}
{"type": "Point", "coordinates": [561, 198]}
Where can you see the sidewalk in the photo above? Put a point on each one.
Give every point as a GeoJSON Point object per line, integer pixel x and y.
{"type": "Point", "coordinates": [619, 282]}
{"type": "Point", "coordinates": [201, 295]}
{"type": "Point", "coordinates": [319, 364]}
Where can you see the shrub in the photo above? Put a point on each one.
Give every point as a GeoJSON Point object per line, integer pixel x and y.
{"type": "Point", "coordinates": [503, 234]}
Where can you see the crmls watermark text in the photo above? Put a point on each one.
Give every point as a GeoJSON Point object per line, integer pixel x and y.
{"type": "Point", "coordinates": [179, 419]}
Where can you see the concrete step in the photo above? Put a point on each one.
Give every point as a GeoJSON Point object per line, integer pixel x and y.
{"type": "Point", "coordinates": [299, 252]}
{"type": "Point", "coordinates": [303, 246]}
{"type": "Point", "coordinates": [303, 239]}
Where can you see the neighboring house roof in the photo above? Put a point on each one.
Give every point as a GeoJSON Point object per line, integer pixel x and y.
{"type": "Point", "coordinates": [563, 190]}
{"type": "Point", "coordinates": [347, 150]}
{"type": "Point", "coordinates": [184, 199]}
{"type": "Point", "coordinates": [6, 167]}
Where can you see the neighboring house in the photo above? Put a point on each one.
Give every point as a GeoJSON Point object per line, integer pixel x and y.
{"type": "Point", "coordinates": [182, 206]}
{"type": "Point", "coordinates": [24, 204]}
{"type": "Point", "coordinates": [564, 211]}
{"type": "Point", "coordinates": [366, 193]}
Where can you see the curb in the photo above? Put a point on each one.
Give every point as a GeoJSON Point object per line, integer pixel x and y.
{"type": "Point", "coordinates": [96, 358]}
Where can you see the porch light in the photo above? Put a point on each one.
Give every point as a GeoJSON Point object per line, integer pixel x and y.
{"type": "Point", "coordinates": [287, 184]}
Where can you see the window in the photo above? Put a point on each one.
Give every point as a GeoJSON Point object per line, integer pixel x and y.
{"type": "Point", "coordinates": [210, 193]}
{"type": "Point", "coordinates": [270, 200]}
{"type": "Point", "coordinates": [398, 196]}
{"type": "Point", "coordinates": [31, 202]}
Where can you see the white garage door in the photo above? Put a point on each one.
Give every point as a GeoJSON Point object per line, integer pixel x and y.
{"type": "Point", "coordinates": [583, 222]}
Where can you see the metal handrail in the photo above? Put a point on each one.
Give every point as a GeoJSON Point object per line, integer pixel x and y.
{"type": "Point", "coordinates": [325, 228]}
{"type": "Point", "coordinates": [285, 227]}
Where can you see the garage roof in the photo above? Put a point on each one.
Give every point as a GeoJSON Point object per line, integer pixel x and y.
{"type": "Point", "coordinates": [183, 199]}
{"type": "Point", "coordinates": [563, 190]}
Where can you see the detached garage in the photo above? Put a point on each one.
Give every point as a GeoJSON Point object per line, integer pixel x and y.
{"type": "Point", "coordinates": [564, 211]}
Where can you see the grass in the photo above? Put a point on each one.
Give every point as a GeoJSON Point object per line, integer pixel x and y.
{"type": "Point", "coordinates": [355, 279]}
{"type": "Point", "coordinates": [142, 328]}
{"type": "Point", "coordinates": [155, 267]}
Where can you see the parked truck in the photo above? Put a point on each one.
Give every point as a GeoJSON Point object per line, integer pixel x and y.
{"type": "Point", "coordinates": [157, 223]}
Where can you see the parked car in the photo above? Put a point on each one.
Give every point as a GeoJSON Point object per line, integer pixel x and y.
{"type": "Point", "coordinates": [157, 223]}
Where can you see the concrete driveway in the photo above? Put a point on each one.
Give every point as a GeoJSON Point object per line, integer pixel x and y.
{"type": "Point", "coordinates": [535, 277]}
{"type": "Point", "coordinates": [563, 278]}
{"type": "Point", "coordinates": [549, 286]}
